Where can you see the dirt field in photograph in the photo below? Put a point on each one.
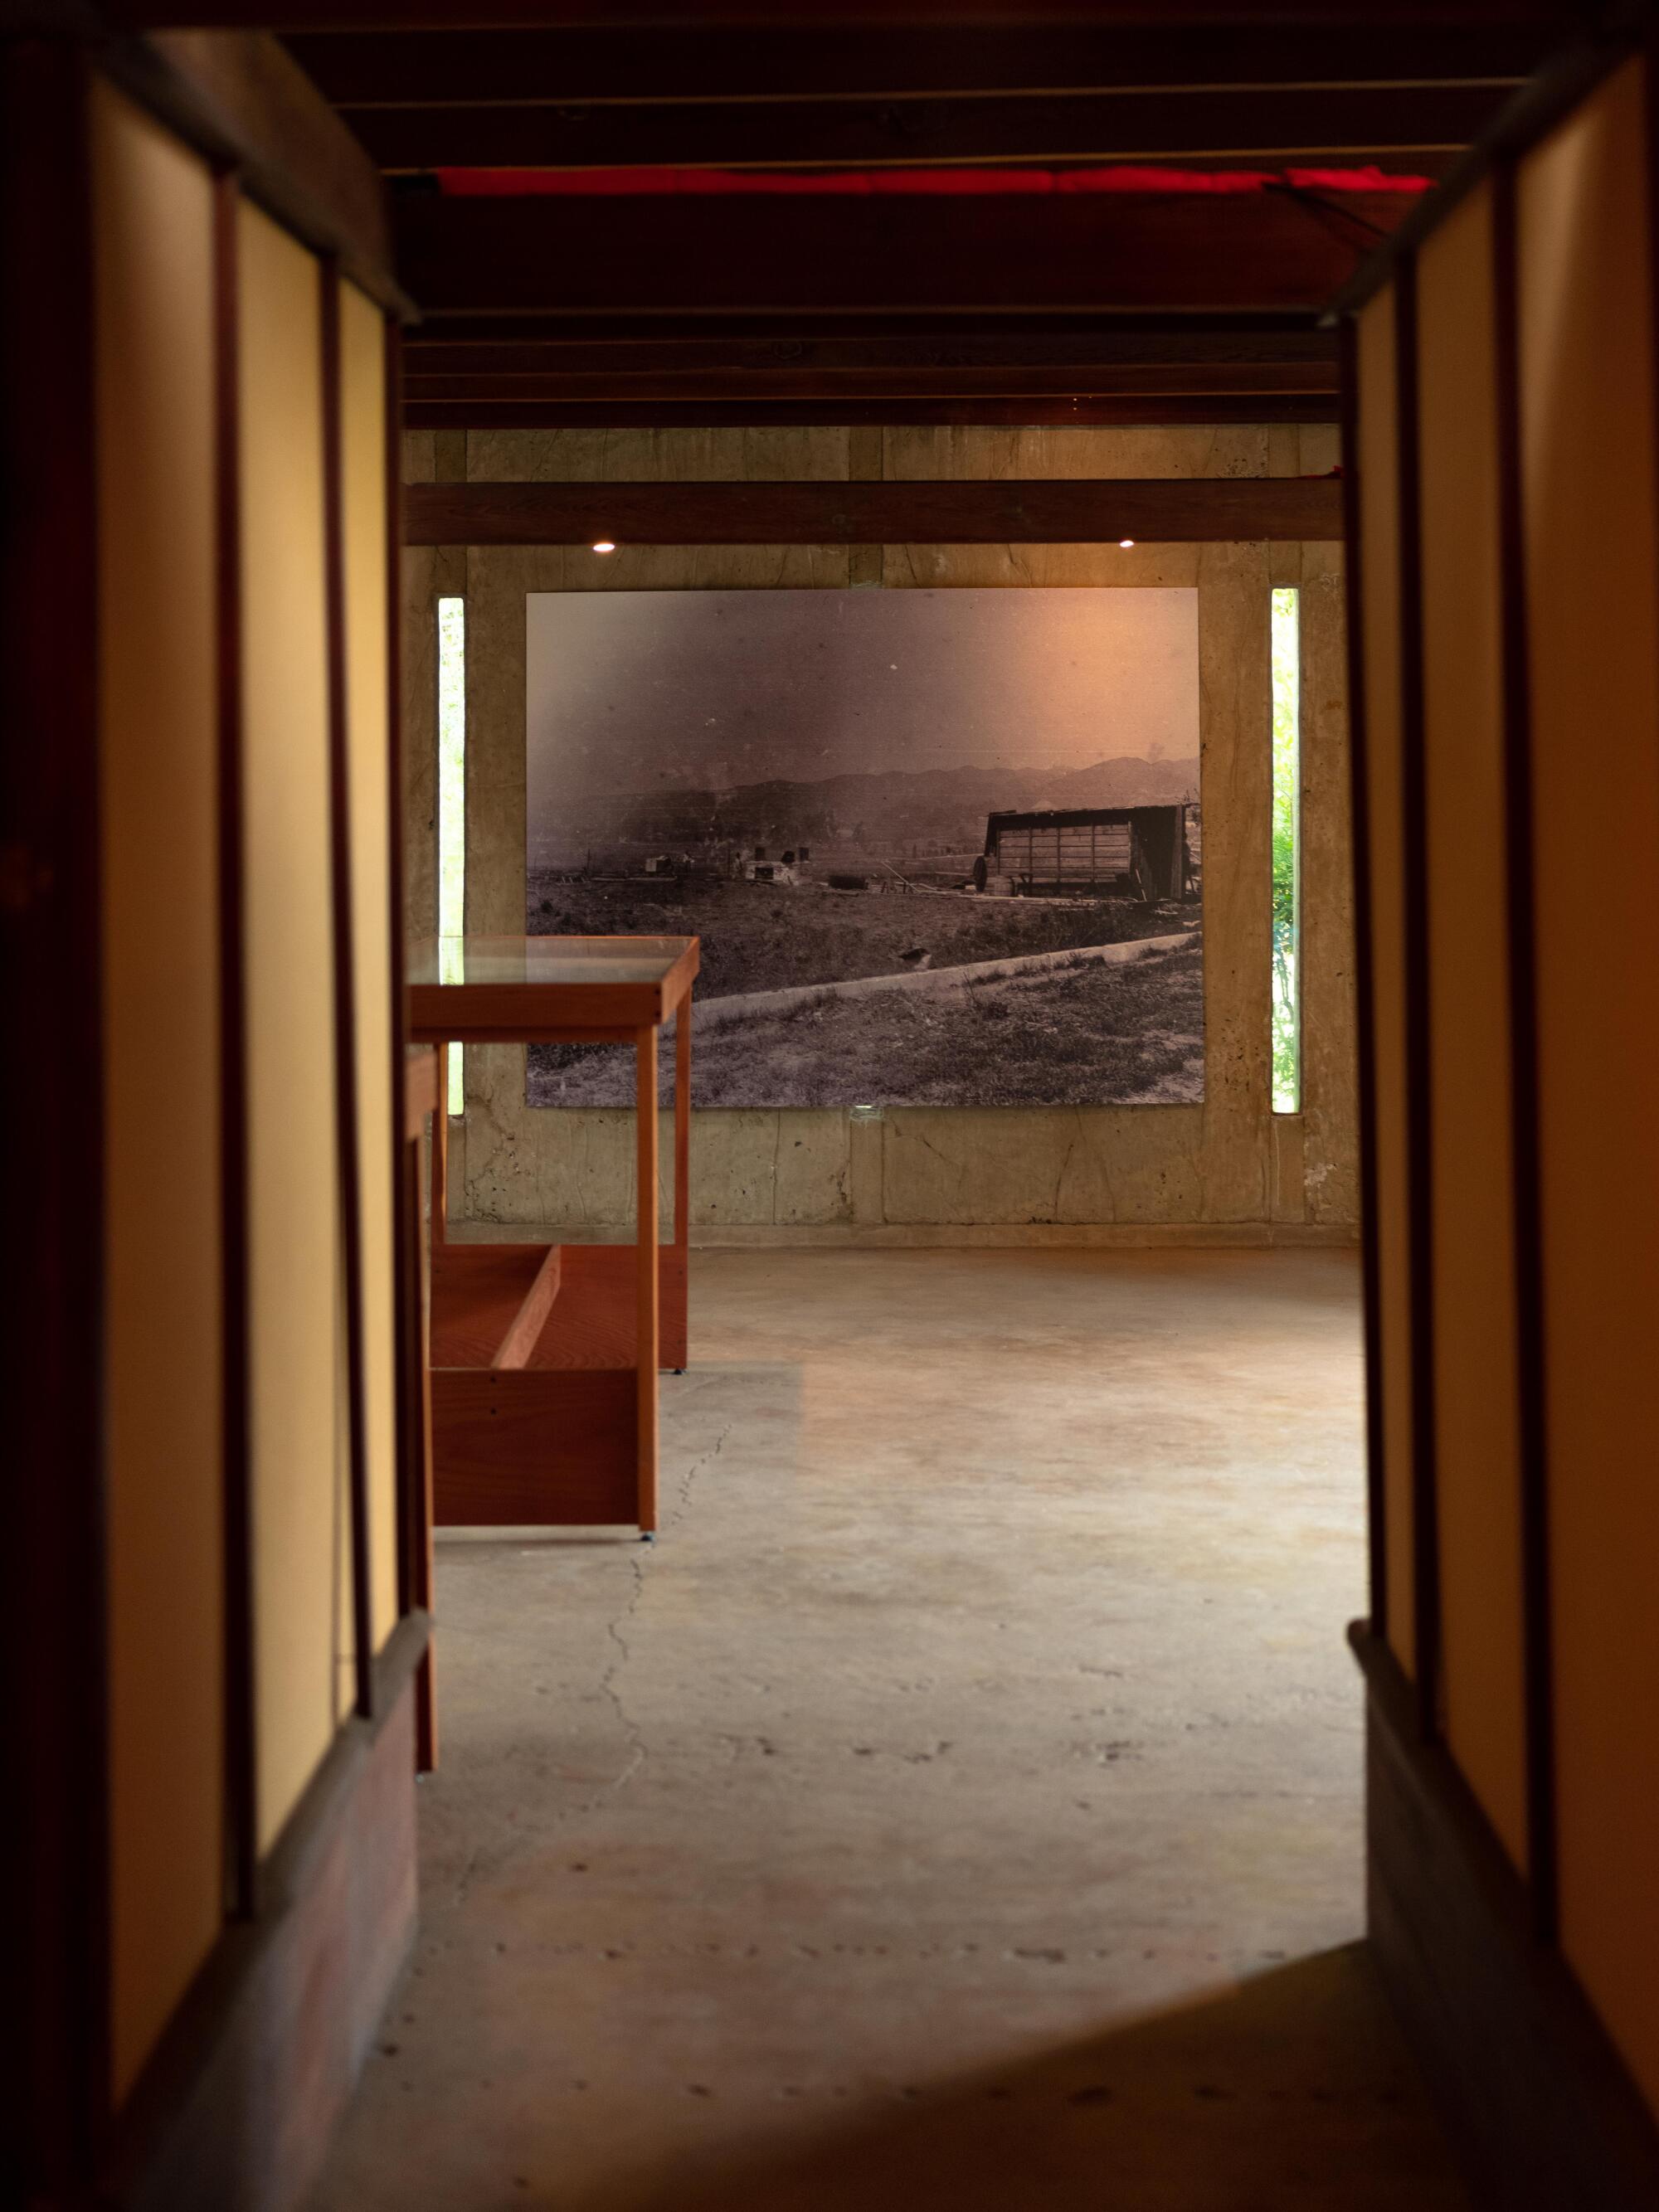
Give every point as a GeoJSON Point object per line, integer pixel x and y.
{"type": "Point", "coordinates": [756, 937]}
{"type": "Point", "coordinates": [761, 937]}
{"type": "Point", "coordinates": [1099, 1033]}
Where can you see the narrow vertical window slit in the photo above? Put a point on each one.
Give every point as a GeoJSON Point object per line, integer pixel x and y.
{"type": "Point", "coordinates": [1287, 667]}
{"type": "Point", "coordinates": [452, 798]}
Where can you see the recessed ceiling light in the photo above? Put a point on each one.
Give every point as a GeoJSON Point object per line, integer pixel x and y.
{"type": "Point", "coordinates": [1128, 544]}
{"type": "Point", "coordinates": [604, 545]}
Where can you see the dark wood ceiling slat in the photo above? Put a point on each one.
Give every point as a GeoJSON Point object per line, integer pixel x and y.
{"type": "Point", "coordinates": [1059, 376]}
{"type": "Point", "coordinates": [858, 18]}
{"type": "Point", "coordinates": [1339, 121]}
{"type": "Point", "coordinates": [581, 64]}
{"type": "Point", "coordinates": [960, 255]}
{"type": "Point", "coordinates": [1048, 511]}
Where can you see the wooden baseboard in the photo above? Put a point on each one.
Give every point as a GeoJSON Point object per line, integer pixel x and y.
{"type": "Point", "coordinates": [238, 2112]}
{"type": "Point", "coordinates": [1530, 2087]}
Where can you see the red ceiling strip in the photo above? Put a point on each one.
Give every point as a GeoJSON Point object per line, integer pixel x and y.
{"type": "Point", "coordinates": [519, 184]}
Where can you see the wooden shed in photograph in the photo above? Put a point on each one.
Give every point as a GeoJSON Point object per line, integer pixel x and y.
{"type": "Point", "coordinates": [1124, 852]}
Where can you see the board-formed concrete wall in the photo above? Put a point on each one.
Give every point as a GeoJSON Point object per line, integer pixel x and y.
{"type": "Point", "coordinates": [1229, 1171]}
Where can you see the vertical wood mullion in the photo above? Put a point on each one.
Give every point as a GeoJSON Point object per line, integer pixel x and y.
{"type": "Point", "coordinates": [241, 1718]}
{"type": "Point", "coordinates": [1365, 985]}
{"type": "Point", "coordinates": [51, 1355]}
{"type": "Point", "coordinates": [1537, 1635]}
{"type": "Point", "coordinates": [347, 1122]}
{"type": "Point", "coordinates": [1419, 1133]}
{"type": "Point", "coordinates": [408, 1455]}
{"type": "Point", "coordinates": [414, 1405]}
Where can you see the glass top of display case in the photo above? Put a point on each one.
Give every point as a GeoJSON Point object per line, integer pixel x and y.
{"type": "Point", "coordinates": [520, 987]}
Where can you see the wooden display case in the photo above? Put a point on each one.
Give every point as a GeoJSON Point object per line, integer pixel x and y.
{"type": "Point", "coordinates": [544, 1358]}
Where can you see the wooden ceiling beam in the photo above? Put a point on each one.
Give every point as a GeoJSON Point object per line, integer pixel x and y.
{"type": "Point", "coordinates": [1055, 377]}
{"type": "Point", "coordinates": [821, 370]}
{"type": "Point", "coordinates": [1199, 380]}
{"type": "Point", "coordinates": [1026, 412]}
{"type": "Point", "coordinates": [935, 512]}
{"type": "Point", "coordinates": [433, 348]}
{"type": "Point", "coordinates": [861, 18]}
{"type": "Point", "coordinates": [1337, 124]}
{"type": "Point", "coordinates": [1196, 252]}
{"type": "Point", "coordinates": [939, 337]}
{"type": "Point", "coordinates": [865, 19]}
{"type": "Point", "coordinates": [580, 64]}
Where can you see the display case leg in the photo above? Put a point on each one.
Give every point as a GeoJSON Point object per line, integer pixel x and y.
{"type": "Point", "coordinates": [646, 1231]}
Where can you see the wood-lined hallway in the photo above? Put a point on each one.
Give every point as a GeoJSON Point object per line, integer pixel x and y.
{"type": "Point", "coordinates": [1207, 231]}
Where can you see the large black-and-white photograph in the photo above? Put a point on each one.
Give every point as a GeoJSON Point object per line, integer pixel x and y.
{"type": "Point", "coordinates": [941, 848]}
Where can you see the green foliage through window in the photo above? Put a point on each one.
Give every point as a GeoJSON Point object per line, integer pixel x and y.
{"type": "Point", "coordinates": [451, 796]}
{"type": "Point", "coordinates": [1286, 664]}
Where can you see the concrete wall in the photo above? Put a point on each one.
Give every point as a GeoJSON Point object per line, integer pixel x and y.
{"type": "Point", "coordinates": [1229, 1171]}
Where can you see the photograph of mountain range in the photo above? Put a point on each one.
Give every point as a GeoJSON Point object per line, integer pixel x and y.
{"type": "Point", "coordinates": [941, 848]}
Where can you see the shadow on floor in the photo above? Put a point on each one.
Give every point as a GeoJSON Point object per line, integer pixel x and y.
{"type": "Point", "coordinates": [1290, 2093]}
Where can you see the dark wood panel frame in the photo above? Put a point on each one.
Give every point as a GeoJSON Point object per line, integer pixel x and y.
{"type": "Point", "coordinates": [405, 1231]}
{"type": "Point", "coordinates": [197, 2132]}
{"type": "Point", "coordinates": [67, 2144]}
{"type": "Point", "coordinates": [238, 100]}
{"type": "Point", "coordinates": [347, 1107]}
{"type": "Point", "coordinates": [1536, 110]}
{"type": "Point", "coordinates": [177, 2141]}
{"type": "Point", "coordinates": [413, 1408]}
{"type": "Point", "coordinates": [1418, 1043]}
{"type": "Point", "coordinates": [1054, 511]}
{"type": "Point", "coordinates": [57, 1932]}
{"type": "Point", "coordinates": [1364, 983]}
{"type": "Point", "coordinates": [240, 1705]}
{"type": "Point", "coordinates": [1540, 105]}
{"type": "Point", "coordinates": [1530, 2086]}
{"type": "Point", "coordinates": [1527, 1202]}
{"type": "Point", "coordinates": [1530, 2082]}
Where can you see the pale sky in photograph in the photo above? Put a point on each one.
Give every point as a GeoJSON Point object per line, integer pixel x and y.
{"type": "Point", "coordinates": [636, 691]}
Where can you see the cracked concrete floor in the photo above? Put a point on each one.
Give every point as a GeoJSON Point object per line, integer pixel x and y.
{"type": "Point", "coordinates": [960, 1806]}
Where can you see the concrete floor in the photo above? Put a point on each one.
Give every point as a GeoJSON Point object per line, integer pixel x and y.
{"type": "Point", "coordinates": [959, 1806]}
